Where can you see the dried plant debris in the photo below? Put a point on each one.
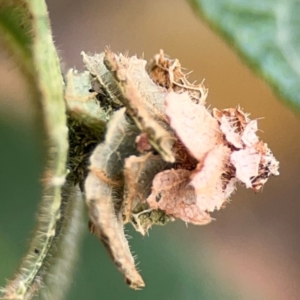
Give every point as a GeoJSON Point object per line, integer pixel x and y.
{"type": "Point", "coordinates": [86, 122]}
{"type": "Point", "coordinates": [139, 172]}
{"type": "Point", "coordinates": [142, 98]}
{"type": "Point", "coordinates": [165, 156]}
{"type": "Point", "coordinates": [172, 193]}
{"type": "Point", "coordinates": [82, 100]}
{"type": "Point", "coordinates": [103, 188]}
{"type": "Point", "coordinates": [102, 81]}
{"type": "Point", "coordinates": [167, 73]}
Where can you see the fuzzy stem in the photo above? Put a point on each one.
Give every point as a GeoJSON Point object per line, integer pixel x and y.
{"type": "Point", "coordinates": [49, 83]}
{"type": "Point", "coordinates": [64, 251]}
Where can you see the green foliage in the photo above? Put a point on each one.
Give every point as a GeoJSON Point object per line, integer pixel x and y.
{"type": "Point", "coordinates": [266, 34]}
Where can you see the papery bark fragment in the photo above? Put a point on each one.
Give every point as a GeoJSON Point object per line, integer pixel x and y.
{"type": "Point", "coordinates": [167, 72]}
{"type": "Point", "coordinates": [172, 193]}
{"type": "Point", "coordinates": [104, 78]}
{"type": "Point", "coordinates": [167, 156]}
{"type": "Point", "coordinates": [207, 179]}
{"type": "Point", "coordinates": [80, 101]}
{"type": "Point", "coordinates": [104, 189]}
{"type": "Point", "coordinates": [193, 124]}
{"type": "Point", "coordinates": [139, 172]}
{"type": "Point", "coordinates": [136, 104]}
{"type": "Point", "coordinates": [252, 159]}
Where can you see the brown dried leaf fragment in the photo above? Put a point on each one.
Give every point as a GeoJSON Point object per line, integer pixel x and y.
{"type": "Point", "coordinates": [207, 180]}
{"type": "Point", "coordinates": [140, 108]}
{"type": "Point", "coordinates": [108, 227]}
{"type": "Point", "coordinates": [152, 95]}
{"type": "Point", "coordinates": [139, 172]}
{"type": "Point", "coordinates": [260, 162]}
{"type": "Point", "coordinates": [246, 162]}
{"type": "Point", "coordinates": [172, 193]}
{"type": "Point", "coordinates": [251, 158]}
{"type": "Point", "coordinates": [104, 192]}
{"type": "Point", "coordinates": [235, 115]}
{"type": "Point", "coordinates": [167, 73]}
{"type": "Point", "coordinates": [249, 137]}
{"type": "Point", "coordinates": [238, 129]}
{"type": "Point", "coordinates": [103, 77]}
{"type": "Point", "coordinates": [193, 124]}
{"type": "Point", "coordinates": [119, 143]}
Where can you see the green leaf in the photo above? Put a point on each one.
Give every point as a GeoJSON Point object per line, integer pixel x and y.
{"type": "Point", "coordinates": [264, 32]}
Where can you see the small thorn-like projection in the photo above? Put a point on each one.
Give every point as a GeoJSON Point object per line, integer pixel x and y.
{"type": "Point", "coordinates": [165, 156]}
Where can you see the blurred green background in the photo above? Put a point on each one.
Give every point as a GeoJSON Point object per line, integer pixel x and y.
{"type": "Point", "coordinates": [250, 252]}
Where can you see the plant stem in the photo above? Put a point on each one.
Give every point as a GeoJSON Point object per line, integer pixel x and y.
{"type": "Point", "coordinates": [49, 83]}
